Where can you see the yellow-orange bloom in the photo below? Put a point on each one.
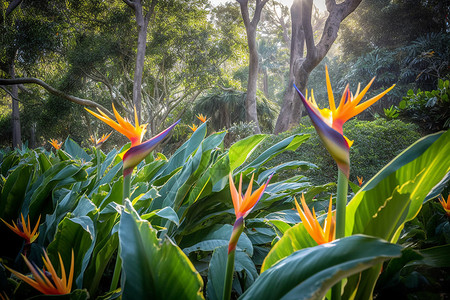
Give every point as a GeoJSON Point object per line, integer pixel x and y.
{"type": "Point", "coordinates": [360, 180]}
{"type": "Point", "coordinates": [23, 229]}
{"type": "Point", "coordinates": [48, 286]}
{"type": "Point", "coordinates": [309, 220]}
{"type": "Point", "coordinates": [98, 142]}
{"type": "Point", "coordinates": [133, 133]}
{"type": "Point", "coordinates": [243, 205]}
{"type": "Point", "coordinates": [445, 204]}
{"type": "Point", "coordinates": [201, 117]}
{"type": "Point", "coordinates": [193, 127]}
{"type": "Point", "coordinates": [55, 144]}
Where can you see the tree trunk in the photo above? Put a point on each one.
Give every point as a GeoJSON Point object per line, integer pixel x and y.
{"type": "Point", "coordinates": [284, 121]}
{"type": "Point", "coordinates": [142, 24]}
{"type": "Point", "coordinates": [300, 68]}
{"type": "Point", "coordinates": [32, 144]}
{"type": "Point", "coordinates": [250, 27]}
{"type": "Point", "coordinates": [253, 66]}
{"type": "Point", "coordinates": [15, 115]}
{"type": "Point", "coordinates": [142, 20]}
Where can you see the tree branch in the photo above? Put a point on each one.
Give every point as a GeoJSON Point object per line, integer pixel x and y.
{"type": "Point", "coordinates": [56, 92]}
{"type": "Point", "coordinates": [12, 6]}
{"type": "Point", "coordinates": [307, 27]}
{"type": "Point", "coordinates": [244, 12]}
{"type": "Point", "coordinates": [129, 3]}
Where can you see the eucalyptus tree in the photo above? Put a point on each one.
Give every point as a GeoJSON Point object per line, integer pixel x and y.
{"type": "Point", "coordinates": [300, 65]}
{"type": "Point", "coordinates": [143, 12]}
{"type": "Point", "coordinates": [251, 26]}
{"type": "Point", "coordinates": [183, 52]}
{"type": "Point", "coordinates": [28, 32]}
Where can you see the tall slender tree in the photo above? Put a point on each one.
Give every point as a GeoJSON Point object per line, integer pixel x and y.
{"type": "Point", "coordinates": [143, 16]}
{"type": "Point", "coordinates": [301, 66]}
{"type": "Point", "coordinates": [253, 67]}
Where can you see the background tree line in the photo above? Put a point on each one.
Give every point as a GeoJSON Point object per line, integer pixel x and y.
{"type": "Point", "coordinates": [234, 63]}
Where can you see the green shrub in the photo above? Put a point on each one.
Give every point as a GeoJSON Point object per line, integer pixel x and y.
{"type": "Point", "coordinates": [375, 144]}
{"type": "Point", "coordinates": [429, 109]}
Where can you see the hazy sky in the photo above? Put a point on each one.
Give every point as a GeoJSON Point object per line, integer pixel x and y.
{"type": "Point", "coordinates": [319, 3]}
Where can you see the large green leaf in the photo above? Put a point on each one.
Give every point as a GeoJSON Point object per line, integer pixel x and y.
{"type": "Point", "coordinates": [183, 152]}
{"type": "Point", "coordinates": [311, 272]}
{"type": "Point", "coordinates": [13, 192]}
{"type": "Point", "coordinates": [151, 269]}
{"type": "Point", "coordinates": [59, 175]}
{"type": "Point", "coordinates": [241, 150]}
{"type": "Point", "coordinates": [395, 195]}
{"type": "Point", "coordinates": [289, 143]}
{"type": "Point", "coordinates": [99, 262]}
{"type": "Point", "coordinates": [237, 155]}
{"type": "Point", "coordinates": [294, 239]}
{"type": "Point", "coordinates": [77, 234]}
{"type": "Point", "coordinates": [66, 203]}
{"type": "Point", "coordinates": [74, 150]}
{"type": "Point", "coordinates": [216, 273]}
{"type": "Point", "coordinates": [213, 237]}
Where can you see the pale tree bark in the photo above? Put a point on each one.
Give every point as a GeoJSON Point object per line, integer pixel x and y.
{"type": "Point", "coordinates": [142, 21]}
{"type": "Point", "coordinates": [15, 114]}
{"type": "Point", "coordinates": [250, 27]}
{"type": "Point", "coordinates": [300, 66]}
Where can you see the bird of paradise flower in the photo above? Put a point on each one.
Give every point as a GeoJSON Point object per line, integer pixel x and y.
{"type": "Point", "coordinates": [47, 281]}
{"type": "Point", "coordinates": [445, 204]}
{"type": "Point", "coordinates": [99, 142]}
{"type": "Point", "coordinates": [138, 150]}
{"type": "Point", "coordinates": [243, 205]}
{"type": "Point", "coordinates": [320, 234]}
{"type": "Point", "coordinates": [54, 142]}
{"type": "Point", "coordinates": [23, 229]}
{"type": "Point", "coordinates": [329, 121]}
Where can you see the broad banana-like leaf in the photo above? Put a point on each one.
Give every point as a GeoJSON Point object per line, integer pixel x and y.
{"type": "Point", "coordinates": [151, 269]}
{"type": "Point", "coordinates": [77, 234]}
{"type": "Point", "coordinates": [311, 272]}
{"type": "Point", "coordinates": [381, 206]}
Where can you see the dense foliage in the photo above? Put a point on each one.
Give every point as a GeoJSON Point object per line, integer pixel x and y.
{"type": "Point", "coordinates": [365, 155]}
{"type": "Point", "coordinates": [154, 219]}
{"type": "Point", "coordinates": [429, 109]}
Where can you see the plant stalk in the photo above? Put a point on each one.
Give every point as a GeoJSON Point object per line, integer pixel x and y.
{"type": "Point", "coordinates": [341, 205]}
{"type": "Point", "coordinates": [229, 275]}
{"type": "Point", "coordinates": [98, 165]}
{"type": "Point", "coordinates": [126, 187]}
{"type": "Point", "coordinates": [118, 265]}
{"type": "Point", "coordinates": [238, 227]}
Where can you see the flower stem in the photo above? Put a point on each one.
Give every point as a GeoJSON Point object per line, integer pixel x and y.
{"type": "Point", "coordinates": [126, 186]}
{"type": "Point", "coordinates": [341, 205]}
{"type": "Point", "coordinates": [118, 265]}
{"type": "Point", "coordinates": [98, 164]}
{"type": "Point", "coordinates": [229, 275]}
{"type": "Point", "coordinates": [238, 227]}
